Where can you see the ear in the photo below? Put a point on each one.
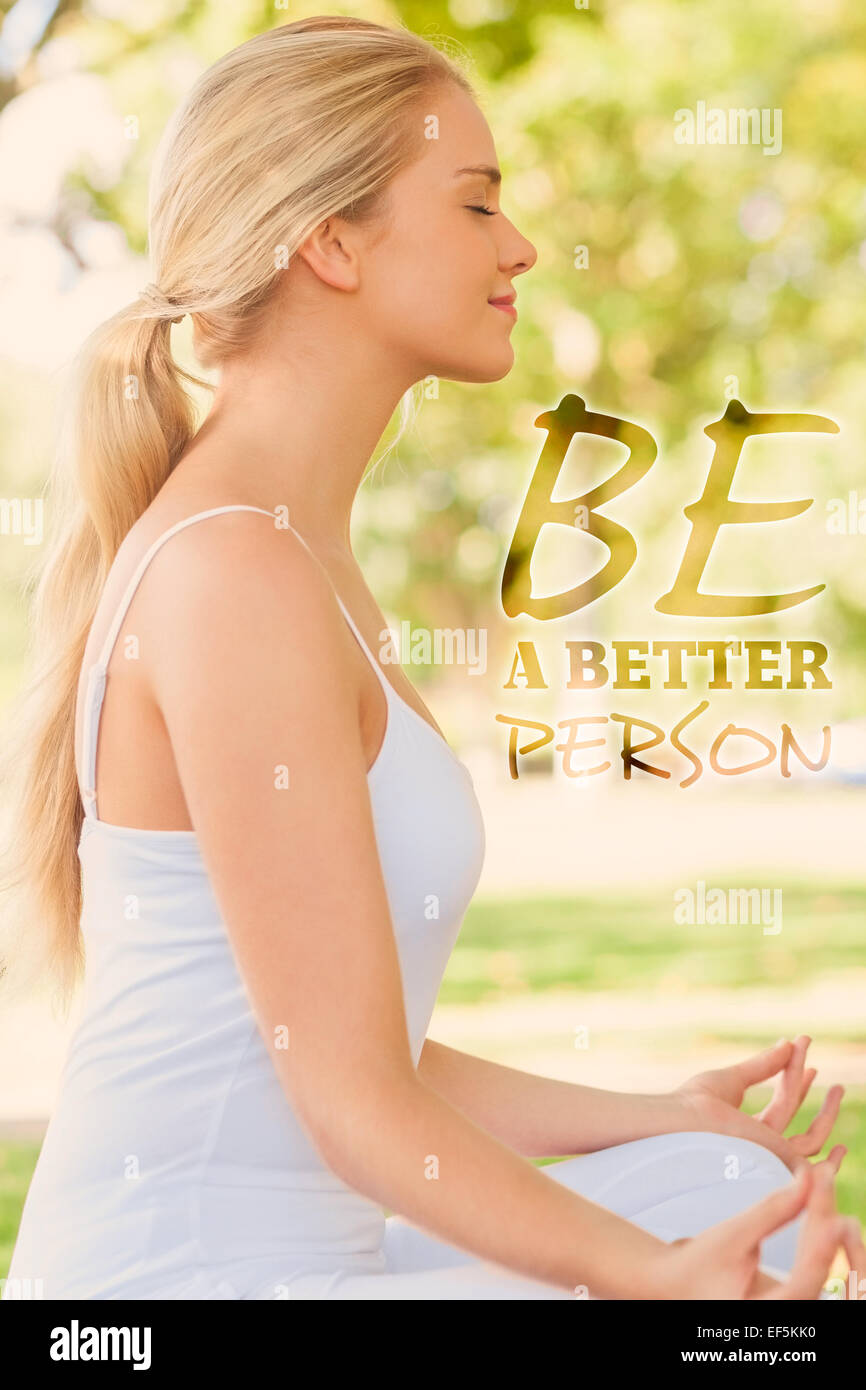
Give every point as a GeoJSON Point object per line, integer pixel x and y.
{"type": "Point", "coordinates": [330, 253]}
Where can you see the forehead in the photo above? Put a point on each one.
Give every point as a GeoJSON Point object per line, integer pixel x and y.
{"type": "Point", "coordinates": [457, 136]}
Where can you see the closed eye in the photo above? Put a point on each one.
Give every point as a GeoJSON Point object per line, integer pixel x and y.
{"type": "Point", "coordinates": [488, 212]}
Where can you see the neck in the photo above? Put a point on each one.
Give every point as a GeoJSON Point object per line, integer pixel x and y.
{"type": "Point", "coordinates": [295, 425]}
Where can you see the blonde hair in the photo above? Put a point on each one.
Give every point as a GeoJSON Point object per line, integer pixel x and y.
{"type": "Point", "coordinates": [305, 121]}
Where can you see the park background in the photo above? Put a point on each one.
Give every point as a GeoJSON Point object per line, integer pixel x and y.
{"type": "Point", "coordinates": [707, 265]}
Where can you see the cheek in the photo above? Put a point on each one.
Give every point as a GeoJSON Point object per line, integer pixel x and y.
{"type": "Point", "coordinates": [433, 279]}
{"type": "Point", "coordinates": [409, 270]}
{"type": "Point", "coordinates": [461, 278]}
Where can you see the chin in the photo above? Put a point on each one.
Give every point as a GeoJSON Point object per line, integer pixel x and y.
{"type": "Point", "coordinates": [492, 368]}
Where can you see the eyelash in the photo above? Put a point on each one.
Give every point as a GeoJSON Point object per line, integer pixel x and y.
{"type": "Point", "coordinates": [488, 212]}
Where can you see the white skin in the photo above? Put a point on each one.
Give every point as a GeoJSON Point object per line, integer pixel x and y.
{"type": "Point", "coordinates": [361, 313]}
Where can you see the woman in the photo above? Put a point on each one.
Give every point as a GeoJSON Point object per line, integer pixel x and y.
{"type": "Point", "coordinates": [278, 845]}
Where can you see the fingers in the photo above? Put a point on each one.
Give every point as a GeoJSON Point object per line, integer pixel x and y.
{"type": "Point", "coordinates": [824, 1230]}
{"type": "Point", "coordinates": [765, 1064]}
{"type": "Point", "coordinates": [808, 1078]}
{"type": "Point", "coordinates": [790, 1086]}
{"type": "Point", "coordinates": [835, 1156]}
{"type": "Point", "coordinates": [748, 1127]}
{"type": "Point", "coordinates": [777, 1209]}
{"type": "Point", "coordinates": [813, 1139]}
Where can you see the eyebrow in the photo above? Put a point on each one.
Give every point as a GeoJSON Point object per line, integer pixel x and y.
{"type": "Point", "coordinates": [487, 171]}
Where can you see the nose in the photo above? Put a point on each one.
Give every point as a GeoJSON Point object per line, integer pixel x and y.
{"type": "Point", "coordinates": [518, 253]}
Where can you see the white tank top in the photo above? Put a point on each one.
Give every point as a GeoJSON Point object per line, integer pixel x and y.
{"type": "Point", "coordinates": [174, 1165]}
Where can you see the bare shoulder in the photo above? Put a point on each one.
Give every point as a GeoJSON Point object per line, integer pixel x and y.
{"type": "Point", "coordinates": [227, 549]}
{"type": "Point", "coordinates": [238, 594]}
{"type": "Point", "coordinates": [238, 566]}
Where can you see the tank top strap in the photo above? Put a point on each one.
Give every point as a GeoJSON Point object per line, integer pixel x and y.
{"type": "Point", "coordinates": [383, 679]}
{"type": "Point", "coordinates": [95, 690]}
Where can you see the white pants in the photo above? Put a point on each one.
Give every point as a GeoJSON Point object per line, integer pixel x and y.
{"type": "Point", "coordinates": [672, 1185]}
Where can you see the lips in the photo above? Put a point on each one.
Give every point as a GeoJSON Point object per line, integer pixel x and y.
{"type": "Point", "coordinates": [505, 302]}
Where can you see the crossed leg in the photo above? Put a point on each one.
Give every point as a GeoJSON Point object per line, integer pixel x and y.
{"type": "Point", "coordinates": [672, 1185]}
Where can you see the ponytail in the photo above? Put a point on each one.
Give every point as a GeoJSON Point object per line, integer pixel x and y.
{"type": "Point", "coordinates": [127, 420]}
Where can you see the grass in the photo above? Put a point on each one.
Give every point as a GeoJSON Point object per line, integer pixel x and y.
{"type": "Point", "coordinates": [17, 1161]}
{"type": "Point", "coordinates": [611, 942]}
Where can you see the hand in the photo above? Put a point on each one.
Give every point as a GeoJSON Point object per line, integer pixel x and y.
{"type": "Point", "coordinates": [714, 1098]}
{"type": "Point", "coordinates": [723, 1262]}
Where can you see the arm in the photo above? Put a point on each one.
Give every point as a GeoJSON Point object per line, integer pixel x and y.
{"type": "Point", "coordinates": [539, 1116]}
{"type": "Point", "coordinates": [252, 677]}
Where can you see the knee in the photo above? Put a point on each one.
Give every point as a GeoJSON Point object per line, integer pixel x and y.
{"type": "Point", "coordinates": [769, 1161]}
{"type": "Point", "coordinates": [747, 1156]}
